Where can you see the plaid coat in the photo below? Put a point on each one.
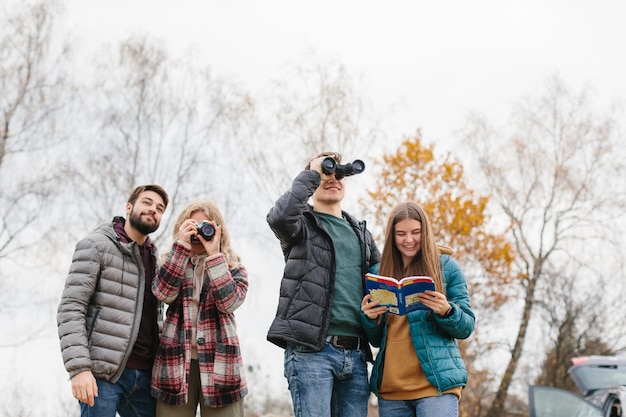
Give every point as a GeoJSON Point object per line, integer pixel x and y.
{"type": "Point", "coordinates": [219, 356]}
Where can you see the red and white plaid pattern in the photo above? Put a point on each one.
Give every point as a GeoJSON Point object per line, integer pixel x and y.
{"type": "Point", "coordinates": [221, 366]}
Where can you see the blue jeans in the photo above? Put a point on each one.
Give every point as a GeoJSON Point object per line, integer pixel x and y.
{"type": "Point", "coordinates": [129, 396]}
{"type": "Point", "coordinates": [445, 406]}
{"type": "Point", "coordinates": [329, 383]}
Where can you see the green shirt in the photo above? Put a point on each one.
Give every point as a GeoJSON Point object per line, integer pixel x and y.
{"type": "Point", "coordinates": [346, 303]}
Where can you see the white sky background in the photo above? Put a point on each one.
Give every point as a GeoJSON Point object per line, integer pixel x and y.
{"type": "Point", "coordinates": [431, 62]}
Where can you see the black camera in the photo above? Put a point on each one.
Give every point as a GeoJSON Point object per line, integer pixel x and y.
{"type": "Point", "coordinates": [329, 165]}
{"type": "Point", "coordinates": [204, 229]}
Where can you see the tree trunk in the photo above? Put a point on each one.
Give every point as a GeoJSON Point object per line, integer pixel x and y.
{"type": "Point", "coordinates": [497, 406]}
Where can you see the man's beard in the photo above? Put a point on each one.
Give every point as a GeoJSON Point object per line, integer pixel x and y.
{"type": "Point", "coordinates": [142, 227]}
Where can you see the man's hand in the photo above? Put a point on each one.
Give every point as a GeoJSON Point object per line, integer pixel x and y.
{"type": "Point", "coordinates": [316, 164]}
{"type": "Point", "coordinates": [84, 387]}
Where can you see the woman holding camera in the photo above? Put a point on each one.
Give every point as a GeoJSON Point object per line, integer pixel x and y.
{"type": "Point", "coordinates": [199, 360]}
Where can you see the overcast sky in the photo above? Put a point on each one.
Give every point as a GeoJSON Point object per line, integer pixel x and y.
{"type": "Point", "coordinates": [432, 61]}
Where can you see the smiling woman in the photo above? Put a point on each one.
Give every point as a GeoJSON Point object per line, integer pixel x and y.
{"type": "Point", "coordinates": [419, 368]}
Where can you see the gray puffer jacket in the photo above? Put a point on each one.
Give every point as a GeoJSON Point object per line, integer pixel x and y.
{"type": "Point", "coordinates": [306, 289]}
{"type": "Point", "coordinates": [101, 305]}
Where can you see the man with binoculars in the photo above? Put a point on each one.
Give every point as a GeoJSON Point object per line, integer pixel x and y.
{"type": "Point", "coordinates": [327, 253]}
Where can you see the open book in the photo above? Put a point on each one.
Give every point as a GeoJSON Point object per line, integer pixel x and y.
{"type": "Point", "coordinates": [401, 296]}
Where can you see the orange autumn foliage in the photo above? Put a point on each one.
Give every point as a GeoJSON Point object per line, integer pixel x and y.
{"type": "Point", "coordinates": [458, 215]}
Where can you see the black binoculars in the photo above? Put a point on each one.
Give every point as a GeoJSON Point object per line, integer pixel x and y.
{"type": "Point", "coordinates": [329, 166]}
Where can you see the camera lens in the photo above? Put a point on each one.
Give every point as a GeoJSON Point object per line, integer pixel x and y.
{"type": "Point", "coordinates": [206, 230]}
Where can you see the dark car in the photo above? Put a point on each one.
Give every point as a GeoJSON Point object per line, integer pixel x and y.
{"type": "Point", "coordinates": [602, 384]}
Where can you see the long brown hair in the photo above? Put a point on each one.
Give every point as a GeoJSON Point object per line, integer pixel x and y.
{"type": "Point", "coordinates": [426, 262]}
{"type": "Point", "coordinates": [210, 209]}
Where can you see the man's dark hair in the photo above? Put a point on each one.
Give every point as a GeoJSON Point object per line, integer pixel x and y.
{"type": "Point", "coordinates": [149, 187]}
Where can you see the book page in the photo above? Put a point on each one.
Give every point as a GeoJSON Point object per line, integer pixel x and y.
{"type": "Point", "coordinates": [400, 296]}
{"type": "Point", "coordinates": [384, 296]}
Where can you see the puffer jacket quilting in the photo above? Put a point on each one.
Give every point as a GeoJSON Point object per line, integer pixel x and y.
{"type": "Point", "coordinates": [101, 305]}
{"type": "Point", "coordinates": [306, 290]}
{"type": "Point", "coordinates": [434, 337]}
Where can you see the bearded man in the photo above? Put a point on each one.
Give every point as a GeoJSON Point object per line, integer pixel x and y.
{"type": "Point", "coordinates": [108, 319]}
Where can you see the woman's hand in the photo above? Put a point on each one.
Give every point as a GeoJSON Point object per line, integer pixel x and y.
{"type": "Point", "coordinates": [189, 229]}
{"type": "Point", "coordinates": [186, 230]}
{"type": "Point", "coordinates": [436, 301]}
{"type": "Point", "coordinates": [212, 246]}
{"type": "Point", "coordinates": [372, 309]}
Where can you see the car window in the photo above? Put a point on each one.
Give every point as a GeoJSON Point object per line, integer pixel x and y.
{"type": "Point", "coordinates": [591, 378]}
{"type": "Point", "coordinates": [556, 402]}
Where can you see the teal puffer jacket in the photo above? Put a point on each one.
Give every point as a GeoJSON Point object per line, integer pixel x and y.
{"type": "Point", "coordinates": [434, 337]}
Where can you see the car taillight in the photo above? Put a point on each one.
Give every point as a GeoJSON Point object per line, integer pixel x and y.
{"type": "Point", "coordinates": [579, 360]}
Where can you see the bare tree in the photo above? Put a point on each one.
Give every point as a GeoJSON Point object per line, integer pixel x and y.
{"type": "Point", "coordinates": [160, 120]}
{"type": "Point", "coordinates": [576, 312]}
{"type": "Point", "coordinates": [33, 91]}
{"type": "Point", "coordinates": [548, 175]}
{"type": "Point", "coordinates": [316, 106]}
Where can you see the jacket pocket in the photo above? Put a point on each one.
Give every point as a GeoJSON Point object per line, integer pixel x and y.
{"type": "Point", "coordinates": [226, 368]}
{"type": "Point", "coordinates": [93, 324]}
{"type": "Point", "coordinates": [168, 373]}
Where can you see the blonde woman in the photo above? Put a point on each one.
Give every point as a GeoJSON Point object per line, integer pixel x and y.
{"type": "Point", "coordinates": [199, 360]}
